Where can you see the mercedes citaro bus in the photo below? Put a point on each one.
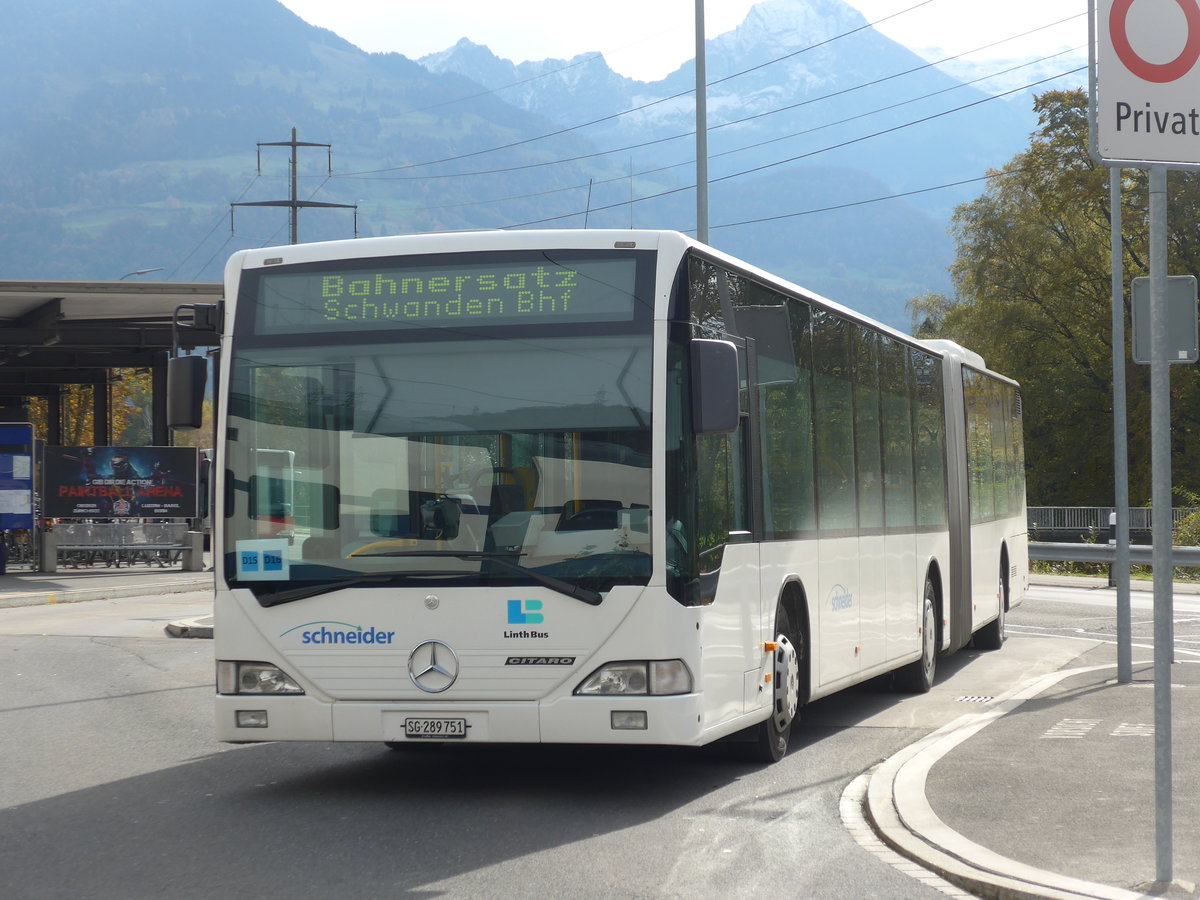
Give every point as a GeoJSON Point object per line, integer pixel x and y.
{"type": "Point", "coordinates": [609, 487]}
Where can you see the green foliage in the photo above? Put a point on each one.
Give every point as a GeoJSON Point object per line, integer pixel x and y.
{"type": "Point", "coordinates": [928, 313]}
{"type": "Point", "coordinates": [1033, 283]}
{"type": "Point", "coordinates": [1187, 530]}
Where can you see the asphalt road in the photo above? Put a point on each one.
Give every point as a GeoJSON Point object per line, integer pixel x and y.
{"type": "Point", "coordinates": [114, 787]}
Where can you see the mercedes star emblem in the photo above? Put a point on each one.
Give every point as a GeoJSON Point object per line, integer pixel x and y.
{"type": "Point", "coordinates": [433, 666]}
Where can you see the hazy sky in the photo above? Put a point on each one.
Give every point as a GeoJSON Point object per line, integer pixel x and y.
{"type": "Point", "coordinates": [647, 39]}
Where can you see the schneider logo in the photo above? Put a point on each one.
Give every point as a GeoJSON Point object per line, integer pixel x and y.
{"type": "Point", "coordinates": [840, 598]}
{"type": "Point", "coordinates": [340, 633]}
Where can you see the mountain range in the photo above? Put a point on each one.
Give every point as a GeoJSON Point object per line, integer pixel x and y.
{"type": "Point", "coordinates": [132, 125]}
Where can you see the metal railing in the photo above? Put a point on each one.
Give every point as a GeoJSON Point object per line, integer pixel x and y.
{"type": "Point", "coordinates": [1085, 518]}
{"type": "Point", "coordinates": [122, 543]}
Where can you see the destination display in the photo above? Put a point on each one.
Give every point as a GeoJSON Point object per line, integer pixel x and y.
{"type": "Point", "coordinates": [504, 292]}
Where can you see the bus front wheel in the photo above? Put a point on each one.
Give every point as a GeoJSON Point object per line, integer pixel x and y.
{"type": "Point", "coordinates": [917, 677]}
{"type": "Point", "coordinates": [770, 738]}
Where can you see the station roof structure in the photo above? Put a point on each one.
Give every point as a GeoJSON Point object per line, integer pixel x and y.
{"type": "Point", "coordinates": [54, 333]}
{"type": "Point", "coordinates": [59, 333]}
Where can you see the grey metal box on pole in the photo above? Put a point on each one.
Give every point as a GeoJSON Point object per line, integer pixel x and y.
{"type": "Point", "coordinates": [1183, 325]}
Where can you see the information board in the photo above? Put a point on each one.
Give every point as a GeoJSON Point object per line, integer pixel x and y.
{"type": "Point", "coordinates": [16, 477]}
{"type": "Point", "coordinates": [1183, 327]}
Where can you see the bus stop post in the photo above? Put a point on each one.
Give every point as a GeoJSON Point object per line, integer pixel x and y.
{"type": "Point", "coordinates": [193, 553]}
{"type": "Point", "coordinates": [48, 561]}
{"type": "Point", "coordinates": [1112, 542]}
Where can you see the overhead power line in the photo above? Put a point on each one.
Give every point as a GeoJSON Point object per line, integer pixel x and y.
{"type": "Point", "coordinates": [578, 62]}
{"type": "Point", "coordinates": [640, 108]}
{"type": "Point", "coordinates": [644, 106]}
{"type": "Point", "coordinates": [733, 150]}
{"type": "Point", "coordinates": [733, 122]}
{"type": "Point", "coordinates": [294, 204]}
{"type": "Point", "coordinates": [800, 156]}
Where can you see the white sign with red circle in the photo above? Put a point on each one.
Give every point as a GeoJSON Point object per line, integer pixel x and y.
{"type": "Point", "coordinates": [1148, 81]}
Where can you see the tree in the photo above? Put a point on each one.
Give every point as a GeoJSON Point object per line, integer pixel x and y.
{"type": "Point", "coordinates": [130, 414]}
{"type": "Point", "coordinates": [1032, 278]}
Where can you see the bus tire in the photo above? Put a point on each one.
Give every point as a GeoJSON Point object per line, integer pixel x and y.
{"type": "Point", "coordinates": [917, 677]}
{"type": "Point", "coordinates": [769, 739]}
{"type": "Point", "coordinates": [991, 636]}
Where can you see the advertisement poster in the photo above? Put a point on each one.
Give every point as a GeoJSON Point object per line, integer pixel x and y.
{"type": "Point", "coordinates": [119, 482]}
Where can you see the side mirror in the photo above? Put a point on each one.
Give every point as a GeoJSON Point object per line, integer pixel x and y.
{"type": "Point", "coordinates": [715, 387]}
{"type": "Point", "coordinates": [186, 379]}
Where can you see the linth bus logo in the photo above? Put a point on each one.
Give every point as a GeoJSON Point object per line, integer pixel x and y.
{"type": "Point", "coordinates": [525, 612]}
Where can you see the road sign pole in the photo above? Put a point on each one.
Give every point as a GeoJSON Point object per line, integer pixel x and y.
{"type": "Point", "coordinates": [1160, 492]}
{"type": "Point", "coordinates": [1120, 439]}
{"type": "Point", "coordinates": [1137, 76]}
{"type": "Point", "coordinates": [701, 130]}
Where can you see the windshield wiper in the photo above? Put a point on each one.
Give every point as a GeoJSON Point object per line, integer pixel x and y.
{"type": "Point", "coordinates": [315, 590]}
{"type": "Point", "coordinates": [587, 595]}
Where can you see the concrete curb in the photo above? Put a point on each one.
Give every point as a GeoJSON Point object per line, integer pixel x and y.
{"type": "Point", "coordinates": [104, 592]}
{"type": "Point", "coordinates": [898, 810]}
{"type": "Point", "coordinates": [191, 628]}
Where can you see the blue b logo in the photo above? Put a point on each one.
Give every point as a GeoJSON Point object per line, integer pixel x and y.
{"type": "Point", "coordinates": [525, 612]}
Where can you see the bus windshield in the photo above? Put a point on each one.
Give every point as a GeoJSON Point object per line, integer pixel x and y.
{"type": "Point", "coordinates": [505, 458]}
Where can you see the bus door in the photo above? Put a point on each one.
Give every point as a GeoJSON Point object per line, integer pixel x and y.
{"type": "Point", "coordinates": [732, 628]}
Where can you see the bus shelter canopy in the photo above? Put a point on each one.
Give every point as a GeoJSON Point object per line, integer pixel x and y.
{"type": "Point", "coordinates": [63, 332]}
{"type": "Point", "coordinates": [58, 333]}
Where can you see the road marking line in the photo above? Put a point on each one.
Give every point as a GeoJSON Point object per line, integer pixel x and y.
{"type": "Point", "coordinates": [1071, 728]}
{"type": "Point", "coordinates": [855, 821]}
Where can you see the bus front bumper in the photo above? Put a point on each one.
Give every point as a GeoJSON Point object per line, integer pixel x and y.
{"type": "Point", "coordinates": [675, 720]}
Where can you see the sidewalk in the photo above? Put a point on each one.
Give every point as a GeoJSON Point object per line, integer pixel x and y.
{"type": "Point", "coordinates": [1049, 791]}
{"type": "Point", "coordinates": [24, 588]}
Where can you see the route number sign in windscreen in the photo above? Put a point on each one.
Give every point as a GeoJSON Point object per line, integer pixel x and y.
{"type": "Point", "coordinates": [394, 293]}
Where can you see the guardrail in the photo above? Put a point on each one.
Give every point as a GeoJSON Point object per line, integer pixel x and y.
{"type": "Point", "coordinates": [1139, 554]}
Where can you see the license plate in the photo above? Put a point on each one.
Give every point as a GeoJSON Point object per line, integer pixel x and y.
{"type": "Point", "coordinates": [437, 729]}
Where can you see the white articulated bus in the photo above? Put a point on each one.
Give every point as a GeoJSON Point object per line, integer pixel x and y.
{"type": "Point", "coordinates": [588, 487]}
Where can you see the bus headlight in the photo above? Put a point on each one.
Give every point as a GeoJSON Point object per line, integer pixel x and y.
{"type": "Point", "coordinates": [234, 677]}
{"type": "Point", "coordinates": [653, 677]}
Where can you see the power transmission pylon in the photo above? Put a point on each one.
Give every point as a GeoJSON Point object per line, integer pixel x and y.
{"type": "Point", "coordinates": [294, 204]}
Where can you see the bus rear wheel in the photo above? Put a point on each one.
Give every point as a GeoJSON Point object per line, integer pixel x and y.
{"type": "Point", "coordinates": [991, 636]}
